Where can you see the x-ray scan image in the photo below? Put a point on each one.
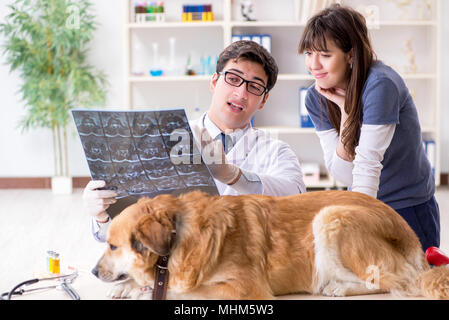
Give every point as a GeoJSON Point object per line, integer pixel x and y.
{"type": "Point", "coordinates": [123, 149]}
{"type": "Point", "coordinates": [142, 153]}
{"type": "Point", "coordinates": [169, 183]}
{"type": "Point", "coordinates": [89, 125]}
{"type": "Point", "coordinates": [101, 170]}
{"type": "Point", "coordinates": [115, 124]}
{"type": "Point", "coordinates": [173, 120]}
{"type": "Point", "coordinates": [150, 147]}
{"type": "Point", "coordinates": [197, 180]}
{"type": "Point", "coordinates": [143, 124]}
{"type": "Point", "coordinates": [95, 148]}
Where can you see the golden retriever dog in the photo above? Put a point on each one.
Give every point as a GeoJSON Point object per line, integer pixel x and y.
{"type": "Point", "coordinates": [333, 243]}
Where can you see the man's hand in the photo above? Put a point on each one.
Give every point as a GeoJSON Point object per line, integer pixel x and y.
{"type": "Point", "coordinates": [97, 201]}
{"type": "Point", "coordinates": [215, 157]}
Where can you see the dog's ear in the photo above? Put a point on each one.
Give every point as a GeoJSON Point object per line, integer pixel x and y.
{"type": "Point", "coordinates": [153, 234]}
{"type": "Point", "coordinates": [137, 245]}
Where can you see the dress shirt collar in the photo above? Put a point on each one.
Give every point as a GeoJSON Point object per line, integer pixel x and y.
{"type": "Point", "coordinates": [215, 132]}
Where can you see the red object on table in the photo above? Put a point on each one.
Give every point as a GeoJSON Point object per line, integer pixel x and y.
{"type": "Point", "coordinates": [436, 257]}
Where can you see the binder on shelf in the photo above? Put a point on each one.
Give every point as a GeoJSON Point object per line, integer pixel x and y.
{"type": "Point", "coordinates": [266, 42]}
{"type": "Point", "coordinates": [263, 39]}
{"type": "Point", "coordinates": [305, 120]}
{"type": "Point", "coordinates": [256, 38]}
{"type": "Point", "coordinates": [235, 38]}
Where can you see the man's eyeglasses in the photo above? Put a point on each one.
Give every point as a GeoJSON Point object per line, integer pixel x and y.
{"type": "Point", "coordinates": [236, 81]}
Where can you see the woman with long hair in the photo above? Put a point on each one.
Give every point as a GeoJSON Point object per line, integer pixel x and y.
{"type": "Point", "coordinates": [367, 121]}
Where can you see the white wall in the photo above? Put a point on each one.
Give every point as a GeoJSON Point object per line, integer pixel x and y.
{"type": "Point", "coordinates": [30, 154]}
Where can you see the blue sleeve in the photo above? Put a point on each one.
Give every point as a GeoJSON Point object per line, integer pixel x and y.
{"type": "Point", "coordinates": [317, 109]}
{"type": "Point", "coordinates": [380, 102]}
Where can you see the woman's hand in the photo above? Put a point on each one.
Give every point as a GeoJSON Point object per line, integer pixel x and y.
{"type": "Point", "coordinates": [336, 95]}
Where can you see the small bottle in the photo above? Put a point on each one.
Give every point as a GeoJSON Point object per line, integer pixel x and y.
{"type": "Point", "coordinates": [156, 70]}
{"type": "Point", "coordinates": [161, 12]}
{"type": "Point", "coordinates": [171, 66]}
{"type": "Point", "coordinates": [138, 61]}
{"type": "Point", "coordinates": [189, 66]}
{"type": "Point", "coordinates": [148, 10]}
{"type": "Point", "coordinates": [153, 12]}
{"type": "Point", "coordinates": [189, 13]}
{"type": "Point", "coordinates": [210, 14]}
{"type": "Point", "coordinates": [197, 13]}
{"type": "Point", "coordinates": [56, 263]}
{"type": "Point", "coordinates": [204, 12]}
{"type": "Point", "coordinates": [136, 12]}
{"type": "Point", "coordinates": [49, 260]}
{"type": "Point", "coordinates": [184, 13]}
{"type": "Point", "coordinates": [142, 12]}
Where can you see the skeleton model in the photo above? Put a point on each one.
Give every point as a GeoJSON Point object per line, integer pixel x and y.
{"type": "Point", "coordinates": [411, 67]}
{"type": "Point", "coordinates": [371, 14]}
{"type": "Point", "coordinates": [246, 9]}
{"type": "Point", "coordinates": [404, 6]}
{"type": "Point", "coordinates": [425, 9]}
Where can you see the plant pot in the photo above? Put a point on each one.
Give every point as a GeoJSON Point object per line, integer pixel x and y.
{"type": "Point", "coordinates": [61, 185]}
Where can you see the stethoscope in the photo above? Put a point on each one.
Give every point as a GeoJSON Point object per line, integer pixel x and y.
{"type": "Point", "coordinates": [66, 280]}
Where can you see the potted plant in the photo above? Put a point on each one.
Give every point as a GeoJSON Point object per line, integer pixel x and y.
{"type": "Point", "coordinates": [46, 43]}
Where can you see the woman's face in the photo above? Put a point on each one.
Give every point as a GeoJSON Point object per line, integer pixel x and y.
{"type": "Point", "coordinates": [330, 68]}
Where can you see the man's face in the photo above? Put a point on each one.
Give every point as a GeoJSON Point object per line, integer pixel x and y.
{"type": "Point", "coordinates": [232, 107]}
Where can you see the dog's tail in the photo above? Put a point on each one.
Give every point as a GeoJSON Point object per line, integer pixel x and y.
{"type": "Point", "coordinates": [434, 283]}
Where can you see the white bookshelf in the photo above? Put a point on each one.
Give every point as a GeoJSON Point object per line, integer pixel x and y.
{"type": "Point", "coordinates": [193, 24]}
{"type": "Point", "coordinates": [280, 115]}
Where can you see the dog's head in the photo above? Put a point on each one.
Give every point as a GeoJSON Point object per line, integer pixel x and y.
{"type": "Point", "coordinates": [136, 237]}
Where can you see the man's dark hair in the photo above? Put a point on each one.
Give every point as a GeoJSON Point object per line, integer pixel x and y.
{"type": "Point", "coordinates": [251, 51]}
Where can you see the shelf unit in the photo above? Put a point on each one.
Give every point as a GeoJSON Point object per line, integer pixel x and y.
{"type": "Point", "coordinates": [192, 91]}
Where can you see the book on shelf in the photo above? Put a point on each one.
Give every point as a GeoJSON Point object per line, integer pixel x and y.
{"type": "Point", "coordinates": [263, 39]}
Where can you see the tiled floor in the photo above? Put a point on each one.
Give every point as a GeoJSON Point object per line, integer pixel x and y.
{"type": "Point", "coordinates": [34, 221]}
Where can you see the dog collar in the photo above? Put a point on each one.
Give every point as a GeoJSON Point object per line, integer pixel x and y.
{"type": "Point", "coordinates": [161, 273]}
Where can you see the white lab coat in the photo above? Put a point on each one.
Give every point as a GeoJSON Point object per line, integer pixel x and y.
{"type": "Point", "coordinates": [272, 160]}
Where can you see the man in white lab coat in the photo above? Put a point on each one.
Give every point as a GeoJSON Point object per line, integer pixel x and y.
{"type": "Point", "coordinates": [242, 159]}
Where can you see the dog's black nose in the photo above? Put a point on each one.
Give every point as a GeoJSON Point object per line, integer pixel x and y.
{"type": "Point", "coordinates": [95, 271]}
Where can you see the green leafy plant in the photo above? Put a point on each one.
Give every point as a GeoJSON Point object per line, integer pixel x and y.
{"type": "Point", "coordinates": [46, 42]}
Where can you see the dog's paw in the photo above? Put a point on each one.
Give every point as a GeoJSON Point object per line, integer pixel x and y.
{"type": "Point", "coordinates": [129, 289]}
{"type": "Point", "coordinates": [334, 289]}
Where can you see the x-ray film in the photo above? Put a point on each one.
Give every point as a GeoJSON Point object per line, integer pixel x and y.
{"type": "Point", "coordinates": [142, 153]}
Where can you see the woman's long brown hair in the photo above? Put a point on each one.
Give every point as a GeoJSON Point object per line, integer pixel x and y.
{"type": "Point", "coordinates": [347, 28]}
